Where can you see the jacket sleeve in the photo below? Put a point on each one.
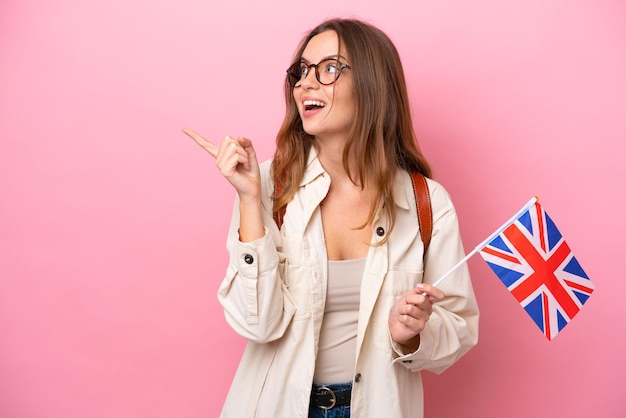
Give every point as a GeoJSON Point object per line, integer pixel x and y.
{"type": "Point", "coordinates": [256, 302]}
{"type": "Point", "coordinates": [452, 329]}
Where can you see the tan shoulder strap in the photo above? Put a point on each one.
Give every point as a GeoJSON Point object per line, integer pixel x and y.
{"type": "Point", "coordinates": [422, 200]}
{"type": "Point", "coordinates": [424, 209]}
{"type": "Point", "coordinates": [279, 215]}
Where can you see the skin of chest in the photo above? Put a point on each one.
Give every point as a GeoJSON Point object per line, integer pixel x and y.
{"type": "Point", "coordinates": [343, 215]}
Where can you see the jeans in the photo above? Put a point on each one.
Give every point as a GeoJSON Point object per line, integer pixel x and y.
{"type": "Point", "coordinates": [335, 412]}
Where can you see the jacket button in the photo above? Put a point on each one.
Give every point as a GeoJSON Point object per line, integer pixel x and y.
{"type": "Point", "coordinates": [248, 259]}
{"type": "Point", "coordinates": [380, 231]}
{"type": "Point", "coordinates": [357, 378]}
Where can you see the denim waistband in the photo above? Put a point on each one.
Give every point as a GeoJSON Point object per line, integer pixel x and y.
{"type": "Point", "coordinates": [330, 396]}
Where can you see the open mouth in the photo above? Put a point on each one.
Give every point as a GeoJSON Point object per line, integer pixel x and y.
{"type": "Point", "coordinates": [310, 105]}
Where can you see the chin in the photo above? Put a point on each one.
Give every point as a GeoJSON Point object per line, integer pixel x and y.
{"type": "Point", "coordinates": [310, 130]}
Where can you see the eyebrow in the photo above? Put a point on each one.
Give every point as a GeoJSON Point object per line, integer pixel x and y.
{"type": "Point", "coordinates": [336, 56]}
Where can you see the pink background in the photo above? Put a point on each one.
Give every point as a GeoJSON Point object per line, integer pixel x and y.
{"type": "Point", "coordinates": [112, 223]}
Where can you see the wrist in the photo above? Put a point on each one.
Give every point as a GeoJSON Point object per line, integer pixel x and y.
{"type": "Point", "coordinates": [249, 199]}
{"type": "Point", "coordinates": [251, 225]}
{"type": "Point", "coordinates": [410, 346]}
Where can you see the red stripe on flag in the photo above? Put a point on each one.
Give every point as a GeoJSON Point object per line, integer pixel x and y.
{"type": "Point", "coordinates": [578, 286]}
{"type": "Point", "coordinates": [546, 316]}
{"type": "Point", "coordinates": [501, 255]}
{"type": "Point", "coordinates": [543, 270]}
{"type": "Point", "coordinates": [541, 234]}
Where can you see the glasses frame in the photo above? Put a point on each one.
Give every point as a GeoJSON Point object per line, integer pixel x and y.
{"type": "Point", "coordinates": [291, 74]}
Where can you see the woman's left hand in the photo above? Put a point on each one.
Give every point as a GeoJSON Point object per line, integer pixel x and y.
{"type": "Point", "coordinates": [408, 316]}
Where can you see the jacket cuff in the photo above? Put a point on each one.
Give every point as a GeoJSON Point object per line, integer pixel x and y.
{"type": "Point", "coordinates": [255, 257]}
{"type": "Point", "coordinates": [420, 358]}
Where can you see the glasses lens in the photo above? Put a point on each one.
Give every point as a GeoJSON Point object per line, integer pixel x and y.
{"type": "Point", "coordinates": [296, 72]}
{"type": "Point", "coordinates": [328, 71]}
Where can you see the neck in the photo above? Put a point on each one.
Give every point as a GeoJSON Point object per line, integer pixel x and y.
{"type": "Point", "coordinates": [330, 154]}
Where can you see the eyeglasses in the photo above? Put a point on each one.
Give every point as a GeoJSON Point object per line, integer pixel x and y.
{"type": "Point", "coordinates": [326, 71]}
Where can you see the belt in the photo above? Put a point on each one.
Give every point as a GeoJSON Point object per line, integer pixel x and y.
{"type": "Point", "coordinates": [325, 398]}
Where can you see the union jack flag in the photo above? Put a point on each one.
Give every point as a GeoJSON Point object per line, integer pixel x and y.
{"type": "Point", "coordinates": [535, 263]}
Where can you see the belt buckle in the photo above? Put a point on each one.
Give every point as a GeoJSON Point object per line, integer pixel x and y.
{"type": "Point", "coordinates": [333, 398]}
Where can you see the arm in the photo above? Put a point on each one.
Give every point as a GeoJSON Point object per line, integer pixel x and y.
{"type": "Point", "coordinates": [450, 327]}
{"type": "Point", "coordinates": [256, 303]}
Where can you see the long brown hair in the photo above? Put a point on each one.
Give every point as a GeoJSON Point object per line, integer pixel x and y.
{"type": "Point", "coordinates": [382, 137]}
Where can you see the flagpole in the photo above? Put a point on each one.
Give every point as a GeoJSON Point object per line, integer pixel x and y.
{"type": "Point", "coordinates": [530, 203]}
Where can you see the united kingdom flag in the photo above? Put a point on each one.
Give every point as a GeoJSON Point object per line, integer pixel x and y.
{"type": "Point", "coordinates": [535, 263]}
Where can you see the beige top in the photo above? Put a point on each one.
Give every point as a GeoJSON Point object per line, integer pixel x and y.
{"type": "Point", "coordinates": [274, 295]}
{"type": "Point", "coordinates": [337, 347]}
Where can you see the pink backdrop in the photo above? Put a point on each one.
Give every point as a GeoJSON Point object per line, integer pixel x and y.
{"type": "Point", "coordinates": [112, 223]}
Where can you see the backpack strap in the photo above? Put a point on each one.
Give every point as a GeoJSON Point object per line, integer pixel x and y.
{"type": "Point", "coordinates": [278, 216]}
{"type": "Point", "coordinates": [422, 201]}
{"type": "Point", "coordinates": [424, 209]}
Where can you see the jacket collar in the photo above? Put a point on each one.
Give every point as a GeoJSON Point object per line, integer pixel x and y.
{"type": "Point", "coordinates": [401, 191]}
{"type": "Point", "coordinates": [313, 168]}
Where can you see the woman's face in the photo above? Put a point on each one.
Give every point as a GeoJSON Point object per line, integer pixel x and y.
{"type": "Point", "coordinates": [327, 111]}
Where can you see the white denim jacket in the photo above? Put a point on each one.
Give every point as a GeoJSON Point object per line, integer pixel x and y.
{"type": "Point", "coordinates": [275, 289]}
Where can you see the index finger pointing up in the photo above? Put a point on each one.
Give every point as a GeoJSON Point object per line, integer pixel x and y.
{"type": "Point", "coordinates": [208, 146]}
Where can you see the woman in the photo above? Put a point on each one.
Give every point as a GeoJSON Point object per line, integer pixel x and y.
{"type": "Point", "coordinates": [337, 304]}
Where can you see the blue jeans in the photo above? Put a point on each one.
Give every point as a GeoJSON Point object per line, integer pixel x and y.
{"type": "Point", "coordinates": [336, 411]}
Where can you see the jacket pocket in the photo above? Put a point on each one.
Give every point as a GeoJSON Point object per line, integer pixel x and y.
{"type": "Point", "coordinates": [399, 281]}
{"type": "Point", "coordinates": [296, 276]}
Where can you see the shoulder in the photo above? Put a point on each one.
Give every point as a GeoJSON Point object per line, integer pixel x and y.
{"type": "Point", "coordinates": [265, 166]}
{"type": "Point", "coordinates": [265, 169]}
{"type": "Point", "coordinates": [267, 183]}
{"type": "Point", "coordinates": [440, 199]}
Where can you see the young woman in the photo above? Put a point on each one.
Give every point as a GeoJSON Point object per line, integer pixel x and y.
{"type": "Point", "coordinates": [337, 304]}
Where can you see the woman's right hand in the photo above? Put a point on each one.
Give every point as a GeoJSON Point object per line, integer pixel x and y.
{"type": "Point", "coordinates": [236, 160]}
